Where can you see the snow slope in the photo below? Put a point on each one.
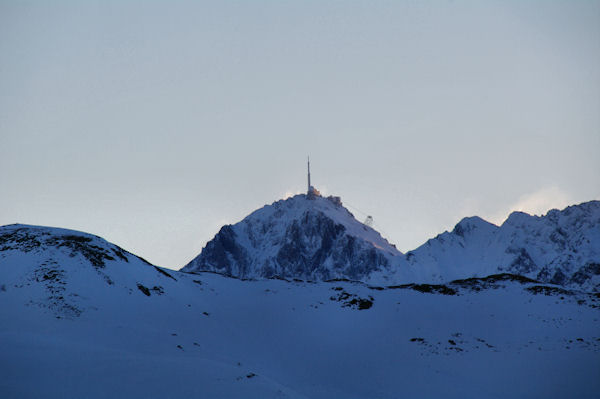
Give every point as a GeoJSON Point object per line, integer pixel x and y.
{"type": "Point", "coordinates": [81, 317]}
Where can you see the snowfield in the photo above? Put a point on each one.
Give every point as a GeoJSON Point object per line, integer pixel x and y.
{"type": "Point", "coordinates": [83, 318]}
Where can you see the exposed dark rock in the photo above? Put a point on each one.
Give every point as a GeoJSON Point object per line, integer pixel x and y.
{"type": "Point", "coordinates": [434, 288]}
{"type": "Point", "coordinates": [523, 263]}
{"type": "Point", "coordinates": [559, 278]}
{"type": "Point", "coordinates": [158, 290]}
{"type": "Point", "coordinates": [548, 290]}
{"type": "Point", "coordinates": [120, 253]}
{"type": "Point", "coordinates": [144, 289]}
{"type": "Point", "coordinates": [479, 283]}
{"type": "Point", "coordinates": [585, 273]}
{"type": "Point", "coordinates": [23, 239]}
{"type": "Point", "coordinates": [53, 278]}
{"type": "Point", "coordinates": [164, 273]}
{"type": "Point", "coordinates": [349, 300]}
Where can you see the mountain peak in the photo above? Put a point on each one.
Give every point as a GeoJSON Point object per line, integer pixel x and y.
{"type": "Point", "coordinates": [304, 236]}
{"type": "Point", "coordinates": [518, 218]}
{"type": "Point", "coordinates": [472, 223]}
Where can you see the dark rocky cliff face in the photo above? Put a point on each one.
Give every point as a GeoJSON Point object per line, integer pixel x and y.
{"type": "Point", "coordinates": [223, 254]}
{"type": "Point", "coordinates": [317, 248]}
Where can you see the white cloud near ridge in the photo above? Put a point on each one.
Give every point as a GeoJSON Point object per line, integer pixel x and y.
{"type": "Point", "coordinates": [537, 203]}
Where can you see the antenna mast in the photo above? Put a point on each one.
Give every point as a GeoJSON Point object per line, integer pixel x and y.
{"type": "Point", "coordinates": [308, 192]}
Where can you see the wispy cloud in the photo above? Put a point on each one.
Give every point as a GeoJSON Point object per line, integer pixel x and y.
{"type": "Point", "coordinates": [290, 193]}
{"type": "Point", "coordinates": [537, 203]}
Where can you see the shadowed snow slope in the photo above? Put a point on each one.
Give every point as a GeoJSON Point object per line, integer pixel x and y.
{"type": "Point", "coordinates": [81, 317]}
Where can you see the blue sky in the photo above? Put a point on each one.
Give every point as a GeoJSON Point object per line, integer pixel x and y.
{"type": "Point", "coordinates": [152, 124]}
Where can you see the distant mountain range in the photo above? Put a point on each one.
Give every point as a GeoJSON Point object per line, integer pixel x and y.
{"type": "Point", "coordinates": [561, 247]}
{"type": "Point", "coordinates": [316, 238]}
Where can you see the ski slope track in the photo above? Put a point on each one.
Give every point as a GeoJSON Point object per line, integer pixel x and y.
{"type": "Point", "coordinates": [83, 318]}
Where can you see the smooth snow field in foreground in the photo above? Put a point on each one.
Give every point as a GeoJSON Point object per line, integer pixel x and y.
{"type": "Point", "coordinates": [216, 337]}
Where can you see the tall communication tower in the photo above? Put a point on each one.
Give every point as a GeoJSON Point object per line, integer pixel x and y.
{"type": "Point", "coordinates": [309, 190]}
{"type": "Point", "coordinates": [312, 192]}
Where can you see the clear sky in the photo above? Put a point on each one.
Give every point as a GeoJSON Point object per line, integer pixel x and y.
{"type": "Point", "coordinates": [152, 124]}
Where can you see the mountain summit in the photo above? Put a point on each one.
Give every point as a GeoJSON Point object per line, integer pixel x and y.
{"type": "Point", "coordinates": [306, 236]}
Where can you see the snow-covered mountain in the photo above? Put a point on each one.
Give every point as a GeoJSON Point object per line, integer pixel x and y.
{"type": "Point", "coordinates": [81, 317]}
{"type": "Point", "coordinates": [561, 247]}
{"type": "Point", "coordinates": [306, 237]}
{"type": "Point", "coordinates": [317, 238]}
